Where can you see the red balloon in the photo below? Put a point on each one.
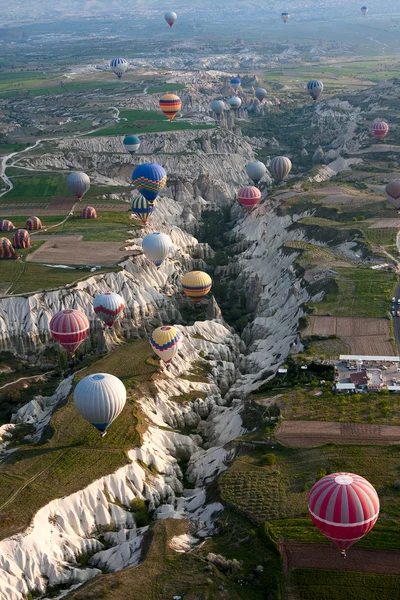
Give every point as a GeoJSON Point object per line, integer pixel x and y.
{"type": "Point", "coordinates": [379, 129]}
{"type": "Point", "coordinates": [69, 328]}
{"type": "Point", "coordinates": [344, 507]}
{"type": "Point", "coordinates": [249, 197]}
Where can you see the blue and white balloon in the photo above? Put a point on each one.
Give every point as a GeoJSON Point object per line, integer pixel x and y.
{"type": "Point", "coordinates": [156, 247]}
{"type": "Point", "coordinates": [119, 66]}
{"type": "Point", "coordinates": [100, 398]}
{"type": "Point", "coordinates": [131, 143]}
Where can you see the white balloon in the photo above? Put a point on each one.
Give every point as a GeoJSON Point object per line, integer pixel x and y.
{"type": "Point", "coordinates": [100, 398]}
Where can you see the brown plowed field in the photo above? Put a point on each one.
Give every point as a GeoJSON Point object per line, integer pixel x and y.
{"type": "Point", "coordinates": [313, 433]}
{"type": "Point", "coordinates": [361, 336]}
{"type": "Point", "coordinates": [70, 250]}
{"type": "Point", "coordinates": [318, 556]}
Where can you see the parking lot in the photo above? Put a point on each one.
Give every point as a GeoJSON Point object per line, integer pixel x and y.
{"type": "Point", "coordinates": [390, 371]}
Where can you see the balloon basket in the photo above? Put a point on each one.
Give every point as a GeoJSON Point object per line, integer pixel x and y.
{"type": "Point", "coordinates": [103, 434]}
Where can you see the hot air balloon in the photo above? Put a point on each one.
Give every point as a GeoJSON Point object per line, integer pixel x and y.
{"type": "Point", "coordinates": [6, 225]}
{"type": "Point", "coordinates": [285, 17]}
{"type": "Point", "coordinates": [344, 507]}
{"type": "Point", "coordinates": [21, 239]}
{"type": "Point", "coordinates": [119, 66]}
{"type": "Point", "coordinates": [218, 107]}
{"type": "Point", "coordinates": [261, 94]}
{"type": "Point", "coordinates": [78, 183]}
{"type": "Point", "coordinates": [69, 328]}
{"type": "Point", "coordinates": [99, 399]}
{"type": "Point", "coordinates": [131, 143]}
{"type": "Point", "coordinates": [393, 193]}
{"type": "Point", "coordinates": [170, 105]}
{"type": "Point", "coordinates": [156, 247]}
{"type": "Point", "coordinates": [108, 307]}
{"type": "Point", "coordinates": [256, 170]}
{"type": "Point", "coordinates": [170, 17]}
{"type": "Point", "coordinates": [33, 224]}
{"type": "Point", "coordinates": [235, 102]}
{"type": "Point", "coordinates": [149, 179]}
{"type": "Point", "coordinates": [165, 342]}
{"type": "Point", "coordinates": [249, 197]}
{"type": "Point", "coordinates": [196, 285]}
{"type": "Point", "coordinates": [6, 249]}
{"type": "Point", "coordinates": [379, 129]}
{"type": "Point", "coordinates": [142, 208]}
{"type": "Point", "coordinates": [315, 88]}
{"type": "Point", "coordinates": [88, 212]}
{"type": "Point", "coordinates": [364, 10]}
{"type": "Point", "coordinates": [235, 83]}
{"type": "Point", "coordinates": [280, 167]}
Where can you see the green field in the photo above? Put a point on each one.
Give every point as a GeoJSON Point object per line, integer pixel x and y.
{"type": "Point", "coordinates": [145, 121]}
{"type": "Point", "coordinates": [166, 87]}
{"type": "Point", "coordinates": [358, 292]}
{"type": "Point", "coordinates": [74, 455]}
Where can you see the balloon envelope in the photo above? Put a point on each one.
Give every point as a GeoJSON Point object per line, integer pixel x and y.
{"type": "Point", "coordinates": [249, 197]}
{"type": "Point", "coordinates": [149, 179]}
{"type": "Point", "coordinates": [6, 225]}
{"type": "Point", "coordinates": [170, 17]}
{"type": "Point", "coordinates": [69, 328]}
{"type": "Point", "coordinates": [165, 342]}
{"type": "Point", "coordinates": [280, 167]}
{"type": "Point", "coordinates": [364, 10]}
{"type": "Point", "coordinates": [142, 208]}
{"type": "Point", "coordinates": [88, 212]}
{"type": "Point", "coordinates": [6, 248]}
{"type": "Point", "coordinates": [393, 193]}
{"type": "Point", "coordinates": [235, 82]}
{"type": "Point", "coordinates": [344, 507]}
{"type": "Point", "coordinates": [196, 285]}
{"type": "Point", "coordinates": [100, 398]}
{"type": "Point", "coordinates": [170, 105]}
{"type": "Point", "coordinates": [131, 143]}
{"type": "Point", "coordinates": [256, 170]}
{"type": "Point", "coordinates": [315, 88]}
{"type": "Point", "coordinates": [235, 102]}
{"type": "Point", "coordinates": [285, 17]}
{"type": "Point", "coordinates": [78, 183]}
{"type": "Point", "coordinates": [379, 129]}
{"type": "Point", "coordinates": [21, 239]}
{"type": "Point", "coordinates": [33, 224]}
{"type": "Point", "coordinates": [261, 94]}
{"type": "Point", "coordinates": [218, 106]}
{"type": "Point", "coordinates": [156, 247]}
{"type": "Point", "coordinates": [119, 66]}
{"type": "Point", "coordinates": [108, 307]}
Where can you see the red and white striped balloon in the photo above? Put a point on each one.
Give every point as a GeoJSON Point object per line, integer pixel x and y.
{"type": "Point", "coordinates": [69, 328]}
{"type": "Point", "coordinates": [249, 197]}
{"type": "Point", "coordinates": [344, 507]}
{"type": "Point", "coordinates": [379, 129]}
{"type": "Point", "coordinates": [108, 307]}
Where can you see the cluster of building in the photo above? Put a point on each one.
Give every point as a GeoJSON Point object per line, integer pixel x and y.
{"type": "Point", "coordinates": [367, 374]}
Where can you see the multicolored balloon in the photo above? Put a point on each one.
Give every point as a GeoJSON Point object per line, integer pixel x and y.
{"type": "Point", "coordinates": [131, 143]}
{"type": "Point", "coordinates": [280, 167]}
{"type": "Point", "coordinates": [6, 249]}
{"type": "Point", "coordinates": [261, 94]}
{"type": "Point", "coordinates": [165, 342]}
{"type": "Point", "coordinates": [33, 224]}
{"type": "Point", "coordinates": [235, 102]}
{"type": "Point", "coordinates": [69, 328]}
{"type": "Point", "coordinates": [170, 17]}
{"type": "Point", "coordinates": [149, 179]}
{"type": "Point", "coordinates": [236, 83]}
{"type": "Point", "coordinates": [78, 183]}
{"type": "Point", "coordinates": [249, 197]}
{"type": "Point", "coordinates": [88, 212]}
{"type": "Point", "coordinates": [21, 239]}
{"type": "Point", "coordinates": [119, 66]}
{"type": "Point", "coordinates": [196, 285]}
{"type": "Point", "coordinates": [156, 247]}
{"type": "Point", "coordinates": [170, 105]}
{"type": "Point", "coordinates": [256, 170]}
{"type": "Point", "coordinates": [379, 129]}
{"type": "Point", "coordinates": [285, 17]}
{"type": "Point", "coordinates": [99, 399]}
{"type": "Point", "coordinates": [142, 208]}
{"type": "Point", "coordinates": [393, 193]}
{"type": "Point", "coordinates": [315, 88]}
{"type": "Point", "coordinates": [344, 507]}
{"type": "Point", "coordinates": [218, 107]}
{"type": "Point", "coordinates": [108, 307]}
{"type": "Point", "coordinates": [6, 225]}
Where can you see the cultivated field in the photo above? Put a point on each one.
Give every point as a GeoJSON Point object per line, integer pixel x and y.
{"type": "Point", "coordinates": [360, 336]}
{"type": "Point", "coordinates": [71, 250]}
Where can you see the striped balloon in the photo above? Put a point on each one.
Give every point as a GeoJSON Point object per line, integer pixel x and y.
{"type": "Point", "coordinates": [6, 249]}
{"type": "Point", "coordinates": [344, 507]}
{"type": "Point", "coordinates": [393, 193]}
{"type": "Point", "coordinates": [21, 239]}
{"type": "Point", "coordinates": [100, 398]}
{"type": "Point", "coordinates": [165, 342]}
{"type": "Point", "coordinates": [88, 212]}
{"type": "Point", "coordinates": [131, 143]}
{"type": "Point", "coordinates": [315, 88]}
{"type": "Point", "coordinates": [149, 179]}
{"type": "Point", "coordinates": [33, 224]}
{"type": "Point", "coordinates": [280, 167]}
{"type": "Point", "coordinates": [170, 105]}
{"type": "Point", "coordinates": [119, 66]}
{"type": "Point", "coordinates": [108, 307]}
{"type": "Point", "coordinates": [142, 208]}
{"type": "Point", "coordinates": [379, 129]}
{"type": "Point", "coordinates": [249, 197]}
{"type": "Point", "coordinates": [6, 225]}
{"type": "Point", "coordinates": [196, 285]}
{"type": "Point", "coordinates": [69, 328]}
